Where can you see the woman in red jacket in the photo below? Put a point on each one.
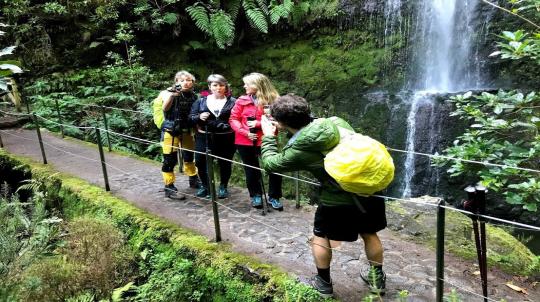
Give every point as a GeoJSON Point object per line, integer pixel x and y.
{"type": "Point", "coordinates": [245, 120]}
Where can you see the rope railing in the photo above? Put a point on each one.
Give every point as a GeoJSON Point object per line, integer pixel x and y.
{"type": "Point", "coordinates": [303, 180]}
{"type": "Point", "coordinates": [294, 235]}
{"type": "Point", "coordinates": [434, 156]}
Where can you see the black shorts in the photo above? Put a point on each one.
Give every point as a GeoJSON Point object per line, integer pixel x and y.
{"type": "Point", "coordinates": [344, 223]}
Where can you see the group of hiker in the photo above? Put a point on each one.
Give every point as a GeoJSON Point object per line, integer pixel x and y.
{"type": "Point", "coordinates": [223, 124]}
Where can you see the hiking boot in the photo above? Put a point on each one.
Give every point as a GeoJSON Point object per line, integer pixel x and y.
{"type": "Point", "coordinates": [275, 204]}
{"type": "Point", "coordinates": [203, 192]}
{"type": "Point", "coordinates": [194, 182]}
{"type": "Point", "coordinates": [325, 289]}
{"type": "Point", "coordinates": [256, 201]}
{"type": "Point", "coordinates": [223, 192]}
{"type": "Point", "coordinates": [172, 192]}
{"type": "Point", "coordinates": [375, 278]}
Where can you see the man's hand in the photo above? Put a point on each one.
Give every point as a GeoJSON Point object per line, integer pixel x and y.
{"type": "Point", "coordinates": [268, 127]}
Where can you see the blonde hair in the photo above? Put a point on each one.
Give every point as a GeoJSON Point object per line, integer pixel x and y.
{"type": "Point", "coordinates": [266, 92]}
{"type": "Point", "coordinates": [183, 73]}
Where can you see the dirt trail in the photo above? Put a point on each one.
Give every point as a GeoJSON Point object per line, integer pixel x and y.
{"type": "Point", "coordinates": [279, 238]}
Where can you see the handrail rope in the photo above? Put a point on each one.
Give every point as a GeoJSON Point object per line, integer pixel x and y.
{"type": "Point", "coordinates": [530, 227]}
{"type": "Point", "coordinates": [116, 108]}
{"type": "Point", "coordinates": [215, 156]}
{"type": "Point", "coordinates": [467, 290]}
{"type": "Point", "coordinates": [381, 196]}
{"type": "Point", "coordinates": [14, 113]}
{"type": "Point", "coordinates": [465, 160]}
{"type": "Point", "coordinates": [65, 125]}
{"type": "Point", "coordinates": [397, 150]}
{"type": "Point", "coordinates": [309, 241]}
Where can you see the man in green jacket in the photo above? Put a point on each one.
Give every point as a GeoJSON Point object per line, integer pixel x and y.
{"type": "Point", "coordinates": [341, 215]}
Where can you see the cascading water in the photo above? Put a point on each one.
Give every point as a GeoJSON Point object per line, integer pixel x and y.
{"type": "Point", "coordinates": [443, 60]}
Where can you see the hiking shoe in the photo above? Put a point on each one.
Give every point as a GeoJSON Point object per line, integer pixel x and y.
{"type": "Point", "coordinates": [375, 278]}
{"type": "Point", "coordinates": [256, 201]}
{"type": "Point", "coordinates": [203, 192]}
{"type": "Point", "coordinates": [194, 182]}
{"type": "Point", "coordinates": [223, 192]}
{"type": "Point", "coordinates": [325, 289]}
{"type": "Point", "coordinates": [275, 204]}
{"type": "Point", "coordinates": [172, 192]}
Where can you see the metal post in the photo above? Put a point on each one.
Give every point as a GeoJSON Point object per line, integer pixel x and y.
{"type": "Point", "coordinates": [106, 126]}
{"type": "Point", "coordinates": [481, 202]}
{"type": "Point", "coordinates": [440, 250]}
{"type": "Point", "coordinates": [39, 139]}
{"type": "Point", "coordinates": [212, 187]}
{"type": "Point", "coordinates": [59, 118]}
{"type": "Point", "coordinates": [1, 142]}
{"type": "Point", "coordinates": [27, 107]}
{"type": "Point", "coordinates": [102, 157]}
{"type": "Point", "coordinates": [297, 189]}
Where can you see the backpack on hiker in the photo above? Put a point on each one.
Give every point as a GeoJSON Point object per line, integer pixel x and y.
{"type": "Point", "coordinates": [358, 163]}
{"type": "Point", "coordinates": [157, 108]}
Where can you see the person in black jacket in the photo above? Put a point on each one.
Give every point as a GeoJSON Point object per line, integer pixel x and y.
{"type": "Point", "coordinates": [211, 115]}
{"type": "Point", "coordinates": [176, 131]}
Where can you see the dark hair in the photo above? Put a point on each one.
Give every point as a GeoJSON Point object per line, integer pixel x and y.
{"type": "Point", "coordinates": [291, 110]}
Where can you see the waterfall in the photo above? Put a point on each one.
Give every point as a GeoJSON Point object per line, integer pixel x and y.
{"type": "Point", "coordinates": [443, 59]}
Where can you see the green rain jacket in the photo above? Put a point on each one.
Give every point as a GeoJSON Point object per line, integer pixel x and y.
{"type": "Point", "coordinates": [304, 151]}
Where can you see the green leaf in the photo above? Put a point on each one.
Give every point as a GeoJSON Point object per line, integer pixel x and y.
{"type": "Point", "coordinates": [200, 16]}
{"type": "Point", "coordinates": [257, 20]}
{"type": "Point", "coordinates": [118, 292]}
{"type": "Point", "coordinates": [533, 207]}
{"type": "Point", "coordinates": [95, 44]}
{"type": "Point", "coordinates": [170, 18]}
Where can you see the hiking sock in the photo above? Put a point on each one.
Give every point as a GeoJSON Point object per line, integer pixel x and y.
{"type": "Point", "coordinates": [324, 273]}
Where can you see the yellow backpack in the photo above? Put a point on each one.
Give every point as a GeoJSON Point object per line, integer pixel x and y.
{"type": "Point", "coordinates": [358, 163]}
{"type": "Point", "coordinates": [157, 107]}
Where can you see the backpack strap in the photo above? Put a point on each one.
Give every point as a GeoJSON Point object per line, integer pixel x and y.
{"type": "Point", "coordinates": [357, 201]}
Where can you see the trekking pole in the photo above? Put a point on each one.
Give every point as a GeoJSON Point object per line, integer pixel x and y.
{"type": "Point", "coordinates": [102, 158]}
{"type": "Point", "coordinates": [481, 202]}
{"type": "Point", "coordinates": [297, 189]}
{"type": "Point", "coordinates": [257, 154]}
{"type": "Point", "coordinates": [106, 126]}
{"type": "Point", "coordinates": [36, 122]}
{"type": "Point", "coordinates": [440, 251]}
{"type": "Point", "coordinates": [59, 117]}
{"type": "Point", "coordinates": [212, 185]}
{"type": "Point", "coordinates": [179, 154]}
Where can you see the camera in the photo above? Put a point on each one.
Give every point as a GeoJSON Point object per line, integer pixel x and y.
{"type": "Point", "coordinates": [178, 87]}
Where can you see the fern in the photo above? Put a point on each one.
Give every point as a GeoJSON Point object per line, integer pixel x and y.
{"type": "Point", "coordinates": [257, 20]}
{"type": "Point", "coordinates": [233, 7]}
{"type": "Point", "coordinates": [281, 11]}
{"type": "Point", "coordinates": [222, 28]}
{"type": "Point", "coordinates": [200, 16]}
{"type": "Point", "coordinates": [263, 6]}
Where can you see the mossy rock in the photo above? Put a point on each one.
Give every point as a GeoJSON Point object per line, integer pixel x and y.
{"type": "Point", "coordinates": [504, 250]}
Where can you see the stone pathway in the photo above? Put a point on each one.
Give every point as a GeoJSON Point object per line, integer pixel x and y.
{"type": "Point", "coordinates": [279, 238]}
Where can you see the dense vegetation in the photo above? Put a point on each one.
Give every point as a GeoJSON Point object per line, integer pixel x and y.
{"type": "Point", "coordinates": [504, 126]}
{"type": "Point", "coordinates": [65, 240]}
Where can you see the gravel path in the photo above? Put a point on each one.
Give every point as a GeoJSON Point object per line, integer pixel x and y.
{"type": "Point", "coordinates": [279, 238]}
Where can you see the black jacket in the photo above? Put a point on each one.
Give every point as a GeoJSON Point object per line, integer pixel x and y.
{"type": "Point", "coordinates": [180, 109]}
{"type": "Point", "coordinates": [213, 124]}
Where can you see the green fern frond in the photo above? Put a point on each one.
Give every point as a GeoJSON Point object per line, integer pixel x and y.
{"type": "Point", "coordinates": [200, 16]}
{"type": "Point", "coordinates": [249, 4]}
{"type": "Point", "coordinates": [222, 28]}
{"type": "Point", "coordinates": [257, 20]}
{"type": "Point", "coordinates": [299, 11]}
{"type": "Point", "coordinates": [233, 7]}
{"type": "Point", "coordinates": [281, 11]}
{"type": "Point", "coordinates": [263, 5]}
